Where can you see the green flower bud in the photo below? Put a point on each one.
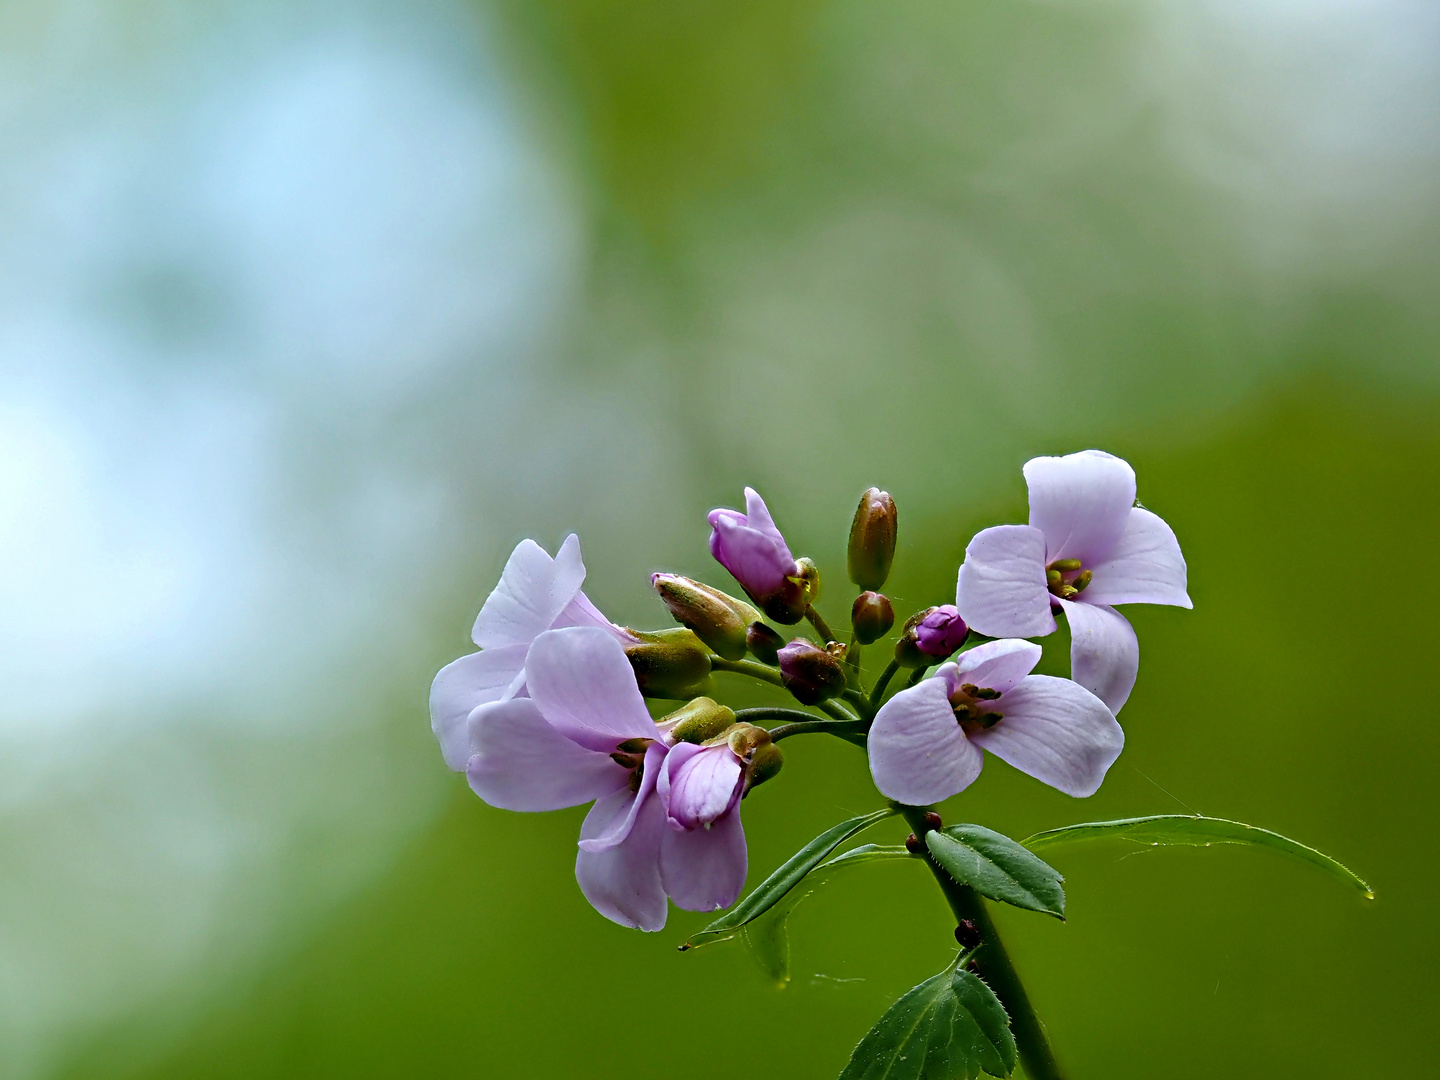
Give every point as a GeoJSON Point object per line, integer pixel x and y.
{"type": "Point", "coordinates": [764, 765]}
{"type": "Point", "coordinates": [718, 620]}
{"type": "Point", "coordinates": [763, 643]}
{"type": "Point", "coordinates": [872, 540]}
{"type": "Point", "coordinates": [670, 663]}
{"type": "Point", "coordinates": [810, 578]}
{"type": "Point", "coordinates": [698, 721]}
{"type": "Point", "coordinates": [871, 616]}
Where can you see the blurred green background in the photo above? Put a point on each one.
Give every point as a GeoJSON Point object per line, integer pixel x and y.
{"type": "Point", "coordinates": [310, 311]}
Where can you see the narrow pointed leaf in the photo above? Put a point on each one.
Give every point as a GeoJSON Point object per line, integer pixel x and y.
{"type": "Point", "coordinates": [1195, 831]}
{"type": "Point", "coordinates": [998, 867]}
{"type": "Point", "coordinates": [865, 853]}
{"type": "Point", "coordinates": [950, 1027]}
{"type": "Point", "coordinates": [773, 889]}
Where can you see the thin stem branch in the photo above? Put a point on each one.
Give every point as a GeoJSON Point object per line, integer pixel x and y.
{"type": "Point", "coordinates": [777, 712]}
{"type": "Point", "coordinates": [821, 627]}
{"type": "Point", "coordinates": [747, 667]}
{"type": "Point", "coordinates": [839, 712]}
{"type": "Point", "coordinates": [852, 665]}
{"type": "Point", "coordinates": [995, 965]}
{"type": "Point", "coordinates": [916, 676]}
{"type": "Point", "coordinates": [830, 727]}
{"type": "Point", "coordinates": [885, 676]}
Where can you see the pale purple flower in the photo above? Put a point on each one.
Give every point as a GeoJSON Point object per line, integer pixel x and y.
{"type": "Point", "coordinates": [1087, 548]}
{"type": "Point", "coordinates": [703, 857]}
{"type": "Point", "coordinates": [536, 593]}
{"type": "Point", "coordinates": [585, 734]}
{"type": "Point", "coordinates": [925, 744]}
{"type": "Point", "coordinates": [752, 549]}
{"type": "Point", "coordinates": [941, 631]}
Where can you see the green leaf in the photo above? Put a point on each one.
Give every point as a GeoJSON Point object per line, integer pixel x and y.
{"type": "Point", "coordinates": [950, 1027]}
{"type": "Point", "coordinates": [998, 867]}
{"type": "Point", "coordinates": [773, 889]}
{"type": "Point", "coordinates": [767, 937]}
{"type": "Point", "coordinates": [1195, 831]}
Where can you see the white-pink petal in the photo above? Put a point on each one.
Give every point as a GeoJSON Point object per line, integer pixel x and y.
{"type": "Point", "coordinates": [704, 869]}
{"type": "Point", "coordinates": [581, 611]}
{"type": "Point", "coordinates": [1056, 731]}
{"type": "Point", "coordinates": [918, 753]}
{"type": "Point", "coordinates": [1001, 590]}
{"type": "Point", "coordinates": [698, 784]}
{"type": "Point", "coordinates": [623, 882]}
{"type": "Point", "coordinates": [521, 763]}
{"type": "Point", "coordinates": [757, 516]}
{"type": "Point", "coordinates": [584, 685]}
{"type": "Point", "coordinates": [464, 685]}
{"type": "Point", "coordinates": [533, 590]}
{"type": "Point", "coordinates": [623, 806]}
{"type": "Point", "coordinates": [994, 665]}
{"type": "Point", "coordinates": [1080, 502]}
{"type": "Point", "coordinates": [1104, 653]}
{"type": "Point", "coordinates": [1144, 567]}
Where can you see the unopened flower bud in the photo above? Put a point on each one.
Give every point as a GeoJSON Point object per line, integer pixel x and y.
{"type": "Point", "coordinates": [967, 934]}
{"type": "Point", "coordinates": [760, 758]}
{"type": "Point", "coordinates": [913, 845]}
{"type": "Point", "coordinates": [669, 663]}
{"type": "Point", "coordinates": [698, 721]}
{"type": "Point", "coordinates": [811, 673]}
{"type": "Point", "coordinates": [810, 579]}
{"type": "Point", "coordinates": [930, 635]}
{"type": "Point", "coordinates": [933, 820]}
{"type": "Point", "coordinates": [718, 620]}
{"type": "Point", "coordinates": [872, 617]}
{"type": "Point", "coordinates": [764, 643]}
{"type": "Point", "coordinates": [752, 549]}
{"type": "Point", "coordinates": [872, 540]}
{"type": "Point", "coordinates": [764, 765]}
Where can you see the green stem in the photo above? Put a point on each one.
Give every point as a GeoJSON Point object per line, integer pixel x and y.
{"type": "Point", "coordinates": [859, 700]}
{"type": "Point", "coordinates": [830, 727]}
{"type": "Point", "coordinates": [747, 667]}
{"type": "Point", "coordinates": [820, 625]}
{"type": "Point", "coordinates": [838, 711]}
{"type": "Point", "coordinates": [885, 677]}
{"type": "Point", "coordinates": [852, 665]}
{"type": "Point", "coordinates": [915, 677]}
{"type": "Point", "coordinates": [995, 965]}
{"type": "Point", "coordinates": [777, 712]}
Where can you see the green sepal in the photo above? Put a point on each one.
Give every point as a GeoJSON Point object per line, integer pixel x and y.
{"type": "Point", "coordinates": [996, 866]}
{"type": "Point", "coordinates": [950, 1027]}
{"type": "Point", "coordinates": [1195, 831]}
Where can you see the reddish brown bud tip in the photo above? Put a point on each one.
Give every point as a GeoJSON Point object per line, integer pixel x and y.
{"type": "Point", "coordinates": [872, 616]}
{"type": "Point", "coordinates": [932, 820]}
{"type": "Point", "coordinates": [913, 845]}
{"type": "Point", "coordinates": [764, 643]}
{"type": "Point", "coordinates": [967, 934]}
{"type": "Point", "coordinates": [872, 539]}
{"type": "Point", "coordinates": [811, 673]}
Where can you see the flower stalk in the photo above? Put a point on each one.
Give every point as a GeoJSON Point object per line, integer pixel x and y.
{"type": "Point", "coordinates": [994, 962]}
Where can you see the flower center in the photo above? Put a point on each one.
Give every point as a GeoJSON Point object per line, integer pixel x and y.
{"type": "Point", "coordinates": [974, 708]}
{"type": "Point", "coordinates": [630, 754]}
{"type": "Point", "coordinates": [1064, 578]}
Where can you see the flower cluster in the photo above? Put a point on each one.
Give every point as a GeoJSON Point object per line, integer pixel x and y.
{"type": "Point", "coordinates": [551, 711]}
